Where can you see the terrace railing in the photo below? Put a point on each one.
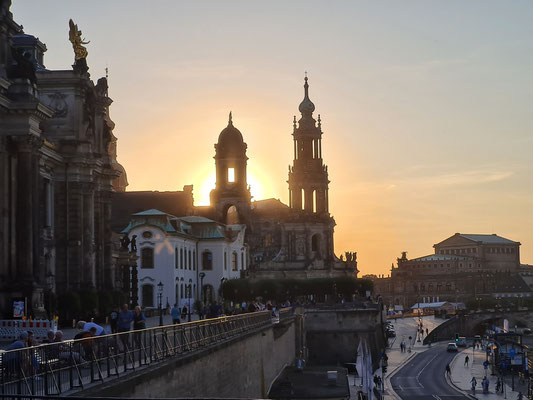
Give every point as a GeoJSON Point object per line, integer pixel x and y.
{"type": "Point", "coordinates": [53, 369]}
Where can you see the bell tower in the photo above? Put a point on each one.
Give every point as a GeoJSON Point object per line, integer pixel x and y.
{"type": "Point", "coordinates": [308, 176]}
{"type": "Point", "coordinates": [231, 187]}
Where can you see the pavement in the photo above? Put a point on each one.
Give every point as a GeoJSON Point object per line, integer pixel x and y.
{"type": "Point", "coordinates": [461, 376]}
{"type": "Point", "coordinates": [151, 322]}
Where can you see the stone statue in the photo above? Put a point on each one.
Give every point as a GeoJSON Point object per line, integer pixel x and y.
{"type": "Point", "coordinates": [74, 35]}
{"type": "Point", "coordinates": [25, 69]}
{"type": "Point", "coordinates": [124, 242]}
{"type": "Point", "coordinates": [133, 244]}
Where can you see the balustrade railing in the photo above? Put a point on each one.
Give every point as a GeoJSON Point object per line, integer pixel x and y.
{"type": "Point", "coordinates": [53, 369]}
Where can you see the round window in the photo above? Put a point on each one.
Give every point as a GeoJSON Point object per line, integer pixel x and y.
{"type": "Point", "coordinates": [147, 234]}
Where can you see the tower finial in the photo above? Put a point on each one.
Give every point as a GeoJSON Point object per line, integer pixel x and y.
{"type": "Point", "coordinates": [230, 122]}
{"type": "Point", "coordinates": [294, 122]}
{"type": "Point", "coordinates": [319, 121]}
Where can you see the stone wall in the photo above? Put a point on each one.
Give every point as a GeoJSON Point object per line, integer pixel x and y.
{"type": "Point", "coordinates": [244, 367]}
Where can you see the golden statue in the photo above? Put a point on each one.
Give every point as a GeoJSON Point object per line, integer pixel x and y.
{"type": "Point", "coordinates": [74, 36]}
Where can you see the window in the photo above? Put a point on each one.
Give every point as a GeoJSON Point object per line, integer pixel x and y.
{"type": "Point", "coordinates": [234, 261]}
{"type": "Point", "coordinates": [315, 242]}
{"type": "Point", "coordinates": [231, 175]}
{"type": "Point", "coordinates": [194, 260]}
{"type": "Point", "coordinates": [181, 258]}
{"type": "Point", "coordinates": [474, 250]}
{"type": "Point", "coordinates": [148, 296]}
{"type": "Point", "coordinates": [190, 256]}
{"type": "Point", "coordinates": [207, 260]}
{"type": "Point", "coordinates": [147, 257]}
{"type": "Point", "coordinates": [176, 258]}
{"type": "Point", "coordinates": [147, 234]}
{"type": "Point", "coordinates": [242, 261]}
{"type": "Point", "coordinates": [225, 261]}
{"type": "Point", "coordinates": [448, 287]}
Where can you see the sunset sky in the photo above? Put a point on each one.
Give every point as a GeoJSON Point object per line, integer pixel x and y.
{"type": "Point", "coordinates": [426, 106]}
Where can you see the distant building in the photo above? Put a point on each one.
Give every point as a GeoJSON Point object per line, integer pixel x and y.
{"type": "Point", "coordinates": [183, 253]}
{"type": "Point", "coordinates": [464, 266]}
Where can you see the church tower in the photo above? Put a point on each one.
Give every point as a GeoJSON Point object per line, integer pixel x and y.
{"type": "Point", "coordinates": [308, 177]}
{"type": "Point", "coordinates": [231, 194]}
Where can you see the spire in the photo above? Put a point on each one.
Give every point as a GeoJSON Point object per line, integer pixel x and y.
{"type": "Point", "coordinates": [230, 122]}
{"type": "Point", "coordinates": [306, 106]}
{"type": "Point", "coordinates": [319, 122]}
{"type": "Point", "coordinates": [294, 123]}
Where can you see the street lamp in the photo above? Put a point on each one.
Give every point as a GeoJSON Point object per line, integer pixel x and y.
{"type": "Point", "coordinates": [222, 280]}
{"type": "Point", "coordinates": [202, 276]}
{"type": "Point", "coordinates": [160, 296]}
{"type": "Point", "coordinates": [189, 292]}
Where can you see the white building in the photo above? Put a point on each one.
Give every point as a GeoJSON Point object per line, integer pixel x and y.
{"type": "Point", "coordinates": [184, 253]}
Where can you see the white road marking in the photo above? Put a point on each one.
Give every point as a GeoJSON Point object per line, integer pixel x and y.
{"type": "Point", "coordinates": [429, 362]}
{"type": "Point", "coordinates": [437, 397]}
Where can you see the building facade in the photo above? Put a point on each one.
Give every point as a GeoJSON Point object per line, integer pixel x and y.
{"type": "Point", "coordinates": [463, 267]}
{"type": "Point", "coordinates": [57, 171]}
{"type": "Point", "coordinates": [188, 257]}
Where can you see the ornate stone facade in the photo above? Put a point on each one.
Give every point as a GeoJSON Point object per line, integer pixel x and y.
{"type": "Point", "coordinates": [464, 267]}
{"type": "Point", "coordinates": [57, 169]}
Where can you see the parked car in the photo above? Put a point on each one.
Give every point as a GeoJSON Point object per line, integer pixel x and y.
{"type": "Point", "coordinates": [390, 333]}
{"type": "Point", "coordinates": [451, 347]}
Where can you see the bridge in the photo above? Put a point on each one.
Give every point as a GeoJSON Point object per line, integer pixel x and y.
{"type": "Point", "coordinates": [235, 356]}
{"type": "Point", "coordinates": [476, 322]}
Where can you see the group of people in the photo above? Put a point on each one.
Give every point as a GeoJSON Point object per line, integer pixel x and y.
{"type": "Point", "coordinates": [484, 385]}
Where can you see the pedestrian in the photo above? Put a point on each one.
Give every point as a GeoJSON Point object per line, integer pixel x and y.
{"type": "Point", "coordinates": [466, 361]}
{"type": "Point", "coordinates": [139, 323]}
{"type": "Point", "coordinates": [474, 384]}
{"type": "Point", "coordinates": [86, 326]}
{"type": "Point", "coordinates": [183, 312]}
{"type": "Point", "coordinates": [175, 313]}
{"type": "Point", "coordinates": [113, 318]}
{"type": "Point", "coordinates": [498, 385]}
{"type": "Point", "coordinates": [520, 396]}
{"type": "Point", "coordinates": [448, 370]}
{"type": "Point", "coordinates": [485, 385]}
{"type": "Point", "coordinates": [125, 317]}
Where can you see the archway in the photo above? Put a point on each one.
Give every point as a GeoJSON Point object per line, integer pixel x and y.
{"type": "Point", "coordinates": [232, 216]}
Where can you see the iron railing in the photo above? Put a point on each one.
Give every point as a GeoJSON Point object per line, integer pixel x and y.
{"type": "Point", "coordinates": [53, 369]}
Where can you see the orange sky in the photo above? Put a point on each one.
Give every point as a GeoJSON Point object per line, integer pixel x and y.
{"type": "Point", "coordinates": [426, 106]}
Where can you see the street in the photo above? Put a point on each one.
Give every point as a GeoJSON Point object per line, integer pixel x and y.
{"type": "Point", "coordinates": [423, 376]}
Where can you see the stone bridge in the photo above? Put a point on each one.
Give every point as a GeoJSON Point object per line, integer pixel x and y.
{"type": "Point", "coordinates": [475, 323]}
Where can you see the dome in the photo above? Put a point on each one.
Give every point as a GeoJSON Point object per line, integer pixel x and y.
{"type": "Point", "coordinates": [306, 106]}
{"type": "Point", "coordinates": [230, 139]}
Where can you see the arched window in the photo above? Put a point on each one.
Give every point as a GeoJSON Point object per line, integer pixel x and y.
{"type": "Point", "coordinates": [177, 293]}
{"type": "Point", "coordinates": [194, 260]}
{"type": "Point", "coordinates": [148, 295]}
{"type": "Point", "coordinates": [448, 287]}
{"type": "Point", "coordinates": [181, 291]}
{"type": "Point", "coordinates": [181, 258]}
{"type": "Point", "coordinates": [225, 261]}
{"type": "Point", "coordinates": [176, 257]}
{"type": "Point", "coordinates": [207, 260]}
{"type": "Point", "coordinates": [232, 216]}
{"type": "Point", "coordinates": [190, 257]}
{"type": "Point", "coordinates": [303, 199]}
{"type": "Point", "coordinates": [234, 261]}
{"type": "Point", "coordinates": [147, 257]}
{"type": "Point", "coordinates": [314, 195]}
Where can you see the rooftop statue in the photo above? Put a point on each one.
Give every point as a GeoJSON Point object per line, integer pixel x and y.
{"type": "Point", "coordinates": [74, 35]}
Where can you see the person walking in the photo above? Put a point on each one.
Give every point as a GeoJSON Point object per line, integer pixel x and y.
{"type": "Point", "coordinates": [139, 323]}
{"type": "Point", "coordinates": [466, 361]}
{"type": "Point", "coordinates": [113, 318]}
{"type": "Point", "coordinates": [175, 313]}
{"type": "Point", "coordinates": [520, 396]}
{"type": "Point", "coordinates": [448, 370]}
{"type": "Point", "coordinates": [125, 317]}
{"type": "Point", "coordinates": [474, 384]}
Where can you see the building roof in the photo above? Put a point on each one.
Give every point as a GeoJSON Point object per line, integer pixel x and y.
{"type": "Point", "coordinates": [489, 239]}
{"type": "Point", "coordinates": [151, 211]}
{"type": "Point", "coordinates": [442, 257]}
{"type": "Point", "coordinates": [195, 219]}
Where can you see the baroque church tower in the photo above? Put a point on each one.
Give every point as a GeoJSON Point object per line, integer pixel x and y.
{"type": "Point", "coordinates": [231, 188]}
{"type": "Point", "coordinates": [308, 177]}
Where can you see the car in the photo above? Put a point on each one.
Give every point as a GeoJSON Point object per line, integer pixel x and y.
{"type": "Point", "coordinates": [461, 342]}
{"type": "Point", "coordinates": [452, 347]}
{"type": "Point", "coordinates": [391, 333]}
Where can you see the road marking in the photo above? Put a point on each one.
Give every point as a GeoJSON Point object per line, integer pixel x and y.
{"type": "Point", "coordinates": [437, 397]}
{"type": "Point", "coordinates": [429, 362]}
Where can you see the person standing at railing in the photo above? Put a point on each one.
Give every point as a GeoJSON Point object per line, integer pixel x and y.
{"type": "Point", "coordinates": [139, 323]}
{"type": "Point", "coordinates": [125, 317]}
{"type": "Point", "coordinates": [175, 313]}
{"type": "Point", "coordinates": [16, 361]}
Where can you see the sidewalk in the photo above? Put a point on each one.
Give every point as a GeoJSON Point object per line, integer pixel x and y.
{"type": "Point", "coordinates": [69, 333]}
{"type": "Point", "coordinates": [461, 377]}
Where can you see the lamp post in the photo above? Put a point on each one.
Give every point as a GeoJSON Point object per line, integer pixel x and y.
{"type": "Point", "coordinates": [160, 298]}
{"type": "Point", "coordinates": [189, 292]}
{"type": "Point", "coordinates": [202, 276]}
{"type": "Point", "coordinates": [222, 280]}
{"type": "Point", "coordinates": [50, 278]}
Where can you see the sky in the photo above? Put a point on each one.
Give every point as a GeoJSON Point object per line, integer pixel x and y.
{"type": "Point", "coordinates": [426, 106]}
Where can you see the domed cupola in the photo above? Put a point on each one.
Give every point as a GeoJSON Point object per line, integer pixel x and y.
{"type": "Point", "coordinates": [230, 142]}
{"type": "Point", "coordinates": [306, 106]}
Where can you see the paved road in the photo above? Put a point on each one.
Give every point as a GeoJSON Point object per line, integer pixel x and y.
{"type": "Point", "coordinates": [422, 378]}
